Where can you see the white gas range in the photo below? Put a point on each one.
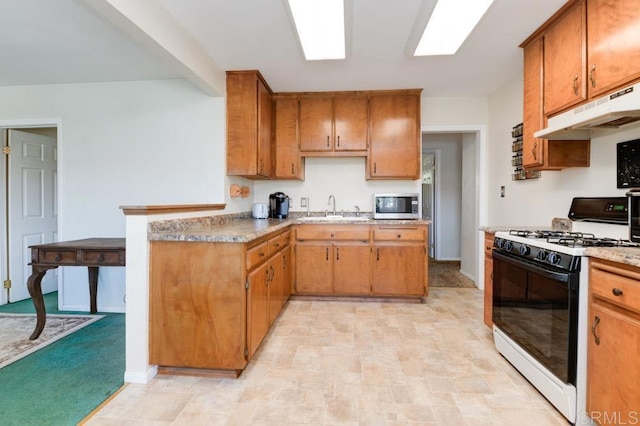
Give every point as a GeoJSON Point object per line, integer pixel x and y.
{"type": "Point", "coordinates": [540, 299]}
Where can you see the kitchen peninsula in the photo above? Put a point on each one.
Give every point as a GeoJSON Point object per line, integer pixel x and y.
{"type": "Point", "coordinates": [217, 283]}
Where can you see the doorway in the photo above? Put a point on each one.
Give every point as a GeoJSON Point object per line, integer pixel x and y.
{"type": "Point", "coordinates": [430, 179]}
{"type": "Point", "coordinates": [28, 207]}
{"type": "Point", "coordinates": [471, 208]}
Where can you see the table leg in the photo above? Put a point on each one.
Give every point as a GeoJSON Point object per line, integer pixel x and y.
{"type": "Point", "coordinates": [35, 290]}
{"type": "Point", "coordinates": [93, 288]}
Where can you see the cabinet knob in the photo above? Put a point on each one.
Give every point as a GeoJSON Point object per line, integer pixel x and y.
{"type": "Point", "coordinates": [101, 257]}
{"type": "Point", "coordinates": [616, 292]}
{"type": "Point", "coordinates": [58, 256]}
{"type": "Point", "coordinates": [399, 235]}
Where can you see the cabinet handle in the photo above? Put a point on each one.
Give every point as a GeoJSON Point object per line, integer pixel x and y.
{"type": "Point", "coordinates": [575, 85]}
{"type": "Point", "coordinates": [327, 249]}
{"type": "Point", "coordinates": [327, 141]}
{"type": "Point", "coordinates": [592, 77]}
{"type": "Point", "coordinates": [58, 256]}
{"type": "Point", "coordinates": [292, 170]}
{"type": "Point", "coordinates": [338, 140]}
{"type": "Point", "coordinates": [617, 292]}
{"type": "Point", "coordinates": [273, 272]}
{"type": "Point", "coordinates": [596, 321]}
{"type": "Point", "coordinates": [337, 253]}
{"type": "Point", "coordinates": [374, 168]}
{"type": "Point", "coordinates": [267, 278]}
{"type": "Point", "coordinates": [377, 254]}
{"type": "Point", "coordinates": [101, 257]}
{"type": "Point", "coordinates": [260, 254]}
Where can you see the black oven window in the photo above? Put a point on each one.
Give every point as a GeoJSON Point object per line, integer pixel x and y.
{"type": "Point", "coordinates": [534, 311]}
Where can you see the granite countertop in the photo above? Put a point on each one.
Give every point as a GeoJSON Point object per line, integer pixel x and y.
{"type": "Point", "coordinates": [241, 228]}
{"type": "Point", "coordinates": [624, 255]}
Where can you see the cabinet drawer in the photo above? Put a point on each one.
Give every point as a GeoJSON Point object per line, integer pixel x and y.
{"type": "Point", "coordinates": [105, 257]}
{"type": "Point", "coordinates": [279, 242]}
{"type": "Point", "coordinates": [60, 257]}
{"type": "Point", "coordinates": [614, 284]}
{"type": "Point", "coordinates": [399, 233]}
{"type": "Point", "coordinates": [333, 232]}
{"type": "Point", "coordinates": [256, 255]}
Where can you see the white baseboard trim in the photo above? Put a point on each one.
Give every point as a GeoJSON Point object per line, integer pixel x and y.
{"type": "Point", "coordinates": [447, 259]}
{"type": "Point", "coordinates": [141, 378]}
{"type": "Point", "coordinates": [85, 308]}
{"type": "Point", "coordinates": [468, 275]}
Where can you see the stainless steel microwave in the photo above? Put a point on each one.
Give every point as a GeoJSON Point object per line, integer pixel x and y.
{"type": "Point", "coordinates": [396, 206]}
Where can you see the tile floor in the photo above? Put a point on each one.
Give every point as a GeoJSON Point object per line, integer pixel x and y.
{"type": "Point", "coordinates": [348, 363]}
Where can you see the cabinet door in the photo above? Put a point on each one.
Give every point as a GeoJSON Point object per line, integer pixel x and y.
{"type": "Point", "coordinates": [248, 125]}
{"type": "Point", "coordinates": [258, 297]}
{"type": "Point", "coordinates": [265, 107]}
{"type": "Point", "coordinates": [314, 268]}
{"type": "Point", "coordinates": [275, 286]}
{"type": "Point", "coordinates": [399, 269]}
{"type": "Point", "coordinates": [288, 163]}
{"type": "Point", "coordinates": [316, 123]}
{"type": "Point", "coordinates": [287, 269]}
{"type": "Point", "coordinates": [532, 148]}
{"type": "Point", "coordinates": [352, 268]}
{"type": "Point", "coordinates": [394, 151]}
{"type": "Point", "coordinates": [488, 279]}
{"type": "Point", "coordinates": [565, 61]}
{"type": "Point", "coordinates": [350, 121]}
{"type": "Point", "coordinates": [614, 44]}
{"type": "Point", "coordinates": [612, 366]}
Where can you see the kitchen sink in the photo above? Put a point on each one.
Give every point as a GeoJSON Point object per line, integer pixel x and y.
{"type": "Point", "coordinates": [333, 219]}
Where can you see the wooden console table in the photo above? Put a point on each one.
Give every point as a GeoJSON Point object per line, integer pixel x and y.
{"type": "Point", "coordinates": [90, 252]}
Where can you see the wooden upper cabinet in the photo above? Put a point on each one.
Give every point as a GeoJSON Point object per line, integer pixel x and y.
{"type": "Point", "coordinates": [565, 53]}
{"type": "Point", "coordinates": [350, 117]}
{"type": "Point", "coordinates": [249, 116]}
{"type": "Point", "coordinates": [394, 151]}
{"type": "Point", "coordinates": [330, 123]}
{"type": "Point", "coordinates": [286, 153]}
{"type": "Point", "coordinates": [532, 148]}
{"type": "Point", "coordinates": [614, 44]}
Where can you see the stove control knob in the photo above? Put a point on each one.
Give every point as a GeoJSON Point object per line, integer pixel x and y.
{"type": "Point", "coordinates": [499, 243]}
{"type": "Point", "coordinates": [553, 258]}
{"type": "Point", "coordinates": [508, 246]}
{"type": "Point", "coordinates": [542, 255]}
{"type": "Point", "coordinates": [524, 250]}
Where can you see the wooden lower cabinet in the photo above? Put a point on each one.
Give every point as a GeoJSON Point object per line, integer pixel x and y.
{"type": "Point", "coordinates": [399, 270]}
{"type": "Point", "coordinates": [488, 278]}
{"type": "Point", "coordinates": [187, 280]}
{"type": "Point", "coordinates": [613, 348]}
{"type": "Point", "coordinates": [361, 260]}
{"type": "Point", "coordinates": [211, 304]}
{"type": "Point", "coordinates": [352, 268]}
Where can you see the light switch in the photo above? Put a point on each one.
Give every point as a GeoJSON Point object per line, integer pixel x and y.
{"type": "Point", "coordinates": [303, 202]}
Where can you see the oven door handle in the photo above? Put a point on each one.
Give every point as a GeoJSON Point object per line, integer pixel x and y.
{"type": "Point", "coordinates": [552, 275]}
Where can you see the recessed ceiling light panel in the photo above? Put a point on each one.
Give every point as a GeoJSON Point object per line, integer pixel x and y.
{"type": "Point", "coordinates": [449, 25]}
{"type": "Point", "coordinates": [320, 27]}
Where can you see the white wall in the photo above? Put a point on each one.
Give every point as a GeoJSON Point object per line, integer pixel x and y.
{"type": "Point", "coordinates": [537, 201]}
{"type": "Point", "coordinates": [468, 214]}
{"type": "Point", "coordinates": [127, 143]}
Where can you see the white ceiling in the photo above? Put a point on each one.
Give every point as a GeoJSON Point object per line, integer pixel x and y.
{"type": "Point", "coordinates": [66, 41]}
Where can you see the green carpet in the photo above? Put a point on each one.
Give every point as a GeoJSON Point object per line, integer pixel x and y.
{"type": "Point", "coordinates": [63, 382]}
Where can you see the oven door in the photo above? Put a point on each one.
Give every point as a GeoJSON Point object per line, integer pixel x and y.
{"type": "Point", "coordinates": [536, 306]}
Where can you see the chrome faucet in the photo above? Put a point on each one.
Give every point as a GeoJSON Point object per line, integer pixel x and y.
{"type": "Point", "coordinates": [331, 197]}
{"type": "Point", "coordinates": [357, 211]}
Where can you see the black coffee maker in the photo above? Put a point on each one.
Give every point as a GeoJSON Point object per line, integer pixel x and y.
{"type": "Point", "coordinates": [278, 205]}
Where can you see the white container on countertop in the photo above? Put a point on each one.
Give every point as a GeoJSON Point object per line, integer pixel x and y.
{"type": "Point", "coordinates": [260, 211]}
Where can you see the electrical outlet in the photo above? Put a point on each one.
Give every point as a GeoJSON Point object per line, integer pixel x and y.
{"type": "Point", "coordinates": [303, 202]}
{"type": "Point", "coordinates": [502, 191]}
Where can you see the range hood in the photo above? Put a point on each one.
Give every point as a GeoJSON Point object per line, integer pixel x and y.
{"type": "Point", "coordinates": [608, 112]}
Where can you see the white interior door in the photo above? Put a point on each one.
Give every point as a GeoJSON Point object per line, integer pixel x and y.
{"type": "Point", "coordinates": [32, 212]}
